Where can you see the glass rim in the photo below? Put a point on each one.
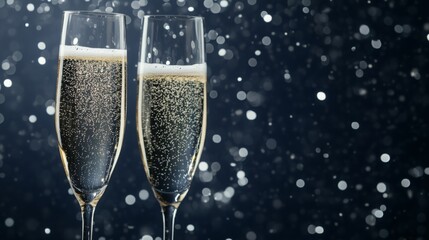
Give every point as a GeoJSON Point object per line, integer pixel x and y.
{"type": "Point", "coordinates": [166, 16]}
{"type": "Point", "coordinates": [94, 13]}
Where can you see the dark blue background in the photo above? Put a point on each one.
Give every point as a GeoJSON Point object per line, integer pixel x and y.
{"type": "Point", "coordinates": [298, 171]}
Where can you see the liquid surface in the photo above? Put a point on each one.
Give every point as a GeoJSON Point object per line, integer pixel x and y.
{"type": "Point", "coordinates": [90, 118]}
{"type": "Point", "coordinates": [171, 127]}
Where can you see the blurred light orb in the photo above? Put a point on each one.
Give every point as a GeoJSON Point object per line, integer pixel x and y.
{"type": "Point", "coordinates": [364, 29]}
{"type": "Point", "coordinates": [251, 115]}
{"type": "Point", "coordinates": [321, 96]}
{"type": "Point", "coordinates": [41, 60]}
{"type": "Point", "coordinates": [130, 199]}
{"type": "Point", "coordinates": [385, 157]}
{"type": "Point", "coordinates": [7, 83]}
{"type": "Point", "coordinates": [32, 119]}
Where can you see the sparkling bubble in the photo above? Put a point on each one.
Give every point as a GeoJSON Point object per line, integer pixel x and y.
{"type": "Point", "coordinates": [191, 9]}
{"type": "Point", "coordinates": [300, 183]}
{"type": "Point", "coordinates": [224, 3]}
{"type": "Point", "coordinates": [427, 37]}
{"type": "Point", "coordinates": [364, 29]}
{"type": "Point", "coordinates": [342, 185]}
{"type": "Point", "coordinates": [321, 96]}
{"type": "Point", "coordinates": [47, 230]}
{"type": "Point", "coordinates": [385, 157]}
{"type": "Point", "coordinates": [130, 199]}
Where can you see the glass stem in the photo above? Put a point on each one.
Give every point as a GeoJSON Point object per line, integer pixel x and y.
{"type": "Point", "coordinates": [168, 215]}
{"type": "Point", "coordinates": [87, 221]}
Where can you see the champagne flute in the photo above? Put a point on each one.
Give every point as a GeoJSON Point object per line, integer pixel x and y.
{"type": "Point", "coordinates": [171, 107]}
{"type": "Point", "coordinates": [91, 104]}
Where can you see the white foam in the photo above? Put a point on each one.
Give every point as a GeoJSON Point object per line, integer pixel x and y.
{"type": "Point", "coordinates": [163, 69]}
{"type": "Point", "coordinates": [78, 51]}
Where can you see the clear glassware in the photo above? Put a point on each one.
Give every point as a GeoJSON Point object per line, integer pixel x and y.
{"type": "Point", "coordinates": [91, 104]}
{"type": "Point", "coordinates": [171, 107]}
